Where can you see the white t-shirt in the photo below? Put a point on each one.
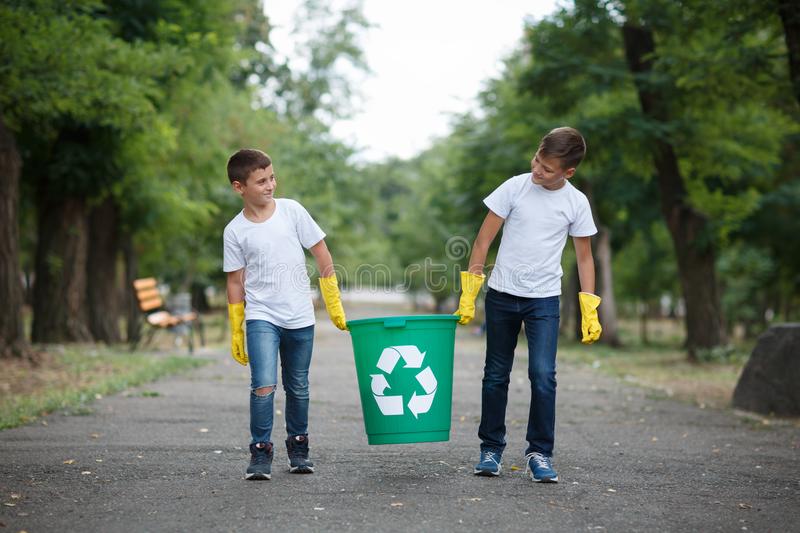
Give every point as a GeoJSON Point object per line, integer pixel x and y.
{"type": "Point", "coordinates": [537, 221]}
{"type": "Point", "coordinates": [276, 284]}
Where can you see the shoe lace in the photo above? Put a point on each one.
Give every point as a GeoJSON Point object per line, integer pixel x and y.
{"type": "Point", "coordinates": [490, 456]}
{"type": "Point", "coordinates": [540, 460]}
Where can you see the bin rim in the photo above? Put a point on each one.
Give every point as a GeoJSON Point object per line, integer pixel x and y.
{"type": "Point", "coordinates": [409, 318]}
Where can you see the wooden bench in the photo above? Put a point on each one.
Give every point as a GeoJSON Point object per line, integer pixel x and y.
{"type": "Point", "coordinates": [159, 318]}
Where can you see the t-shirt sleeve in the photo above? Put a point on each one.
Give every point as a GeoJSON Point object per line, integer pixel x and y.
{"type": "Point", "coordinates": [232, 253]}
{"type": "Point", "coordinates": [583, 225]}
{"type": "Point", "coordinates": [308, 231]}
{"type": "Point", "coordinates": [500, 200]}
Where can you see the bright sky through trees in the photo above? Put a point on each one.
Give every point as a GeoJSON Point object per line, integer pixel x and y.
{"type": "Point", "coordinates": [428, 60]}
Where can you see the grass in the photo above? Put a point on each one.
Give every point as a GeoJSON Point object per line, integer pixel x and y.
{"type": "Point", "coordinates": [663, 368]}
{"type": "Point", "coordinates": [662, 365]}
{"type": "Point", "coordinates": [72, 377]}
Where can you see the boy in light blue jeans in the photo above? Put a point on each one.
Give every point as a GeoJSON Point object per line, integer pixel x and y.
{"type": "Point", "coordinates": [265, 263]}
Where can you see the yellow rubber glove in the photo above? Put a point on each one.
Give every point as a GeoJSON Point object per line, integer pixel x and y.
{"type": "Point", "coordinates": [329, 287]}
{"type": "Point", "coordinates": [470, 287]}
{"type": "Point", "coordinates": [236, 317]}
{"type": "Point", "coordinates": [590, 324]}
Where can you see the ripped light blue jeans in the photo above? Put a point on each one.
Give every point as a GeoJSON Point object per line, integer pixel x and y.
{"type": "Point", "coordinates": [265, 342]}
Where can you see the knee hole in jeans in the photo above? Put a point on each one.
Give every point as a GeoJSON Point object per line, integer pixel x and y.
{"type": "Point", "coordinates": [264, 391]}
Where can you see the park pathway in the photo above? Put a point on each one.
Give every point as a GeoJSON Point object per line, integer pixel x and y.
{"type": "Point", "coordinates": [169, 456]}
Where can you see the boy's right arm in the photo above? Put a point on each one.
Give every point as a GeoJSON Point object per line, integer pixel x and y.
{"type": "Point", "coordinates": [472, 279]}
{"type": "Point", "coordinates": [235, 289]}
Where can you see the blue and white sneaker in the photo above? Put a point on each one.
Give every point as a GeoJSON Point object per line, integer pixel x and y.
{"type": "Point", "coordinates": [490, 464]}
{"type": "Point", "coordinates": [541, 468]}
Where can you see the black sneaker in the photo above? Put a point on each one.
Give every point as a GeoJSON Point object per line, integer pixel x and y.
{"type": "Point", "coordinates": [297, 448]}
{"type": "Point", "coordinates": [260, 462]}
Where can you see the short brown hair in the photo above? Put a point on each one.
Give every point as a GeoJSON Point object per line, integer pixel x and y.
{"type": "Point", "coordinates": [567, 144]}
{"type": "Point", "coordinates": [244, 162]}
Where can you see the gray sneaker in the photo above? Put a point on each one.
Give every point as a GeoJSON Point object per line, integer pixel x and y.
{"type": "Point", "coordinates": [260, 461]}
{"type": "Point", "coordinates": [297, 448]}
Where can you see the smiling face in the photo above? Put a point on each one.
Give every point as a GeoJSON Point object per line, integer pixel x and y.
{"type": "Point", "coordinates": [259, 188]}
{"type": "Point", "coordinates": [548, 172]}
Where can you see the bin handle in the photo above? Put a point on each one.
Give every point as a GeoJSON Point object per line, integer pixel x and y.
{"type": "Point", "coordinates": [394, 322]}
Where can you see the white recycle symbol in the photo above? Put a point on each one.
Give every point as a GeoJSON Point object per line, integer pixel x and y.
{"type": "Point", "coordinates": [393, 405]}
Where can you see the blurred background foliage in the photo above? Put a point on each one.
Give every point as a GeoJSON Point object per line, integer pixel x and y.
{"type": "Point", "coordinates": [121, 115]}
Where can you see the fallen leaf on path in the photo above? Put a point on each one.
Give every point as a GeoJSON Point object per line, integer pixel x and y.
{"type": "Point", "coordinates": [612, 490]}
{"type": "Point", "coordinates": [69, 462]}
{"type": "Point", "coordinates": [654, 439]}
{"type": "Point", "coordinates": [745, 506]}
{"type": "Point", "coordinates": [85, 473]}
{"type": "Point", "coordinates": [319, 508]}
{"type": "Point", "coordinates": [397, 504]}
{"type": "Point", "coordinates": [514, 468]}
{"type": "Point", "coordinates": [95, 435]}
{"type": "Point", "coordinates": [203, 430]}
{"type": "Point", "coordinates": [474, 499]}
{"type": "Point", "coordinates": [10, 504]}
{"type": "Point", "coordinates": [15, 496]}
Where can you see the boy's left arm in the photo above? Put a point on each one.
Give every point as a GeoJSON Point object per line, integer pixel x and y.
{"type": "Point", "coordinates": [590, 323]}
{"type": "Point", "coordinates": [329, 285]}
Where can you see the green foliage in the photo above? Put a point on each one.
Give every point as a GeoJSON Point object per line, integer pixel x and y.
{"type": "Point", "coordinates": [146, 101]}
{"type": "Point", "coordinates": [85, 74]}
{"type": "Point", "coordinates": [745, 271]}
{"type": "Point", "coordinates": [330, 52]}
{"type": "Point", "coordinates": [645, 268]}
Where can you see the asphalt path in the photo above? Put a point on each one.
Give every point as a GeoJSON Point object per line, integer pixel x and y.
{"type": "Point", "coordinates": [170, 456]}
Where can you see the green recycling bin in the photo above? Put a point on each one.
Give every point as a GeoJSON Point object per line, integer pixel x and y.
{"type": "Point", "coordinates": [404, 366]}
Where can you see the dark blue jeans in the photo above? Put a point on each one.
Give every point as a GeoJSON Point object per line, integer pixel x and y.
{"type": "Point", "coordinates": [265, 341]}
{"type": "Point", "coordinates": [505, 315]}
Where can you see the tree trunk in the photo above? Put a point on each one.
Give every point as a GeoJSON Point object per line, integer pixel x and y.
{"type": "Point", "coordinates": [643, 323]}
{"type": "Point", "coordinates": [102, 292]}
{"type": "Point", "coordinates": [133, 329]}
{"type": "Point", "coordinates": [199, 298]}
{"type": "Point", "coordinates": [569, 302]}
{"type": "Point", "coordinates": [608, 307]}
{"type": "Point", "coordinates": [576, 309]}
{"type": "Point", "coordinates": [12, 333]}
{"type": "Point", "coordinates": [59, 292]}
{"type": "Point", "coordinates": [790, 16]}
{"type": "Point", "coordinates": [687, 227]}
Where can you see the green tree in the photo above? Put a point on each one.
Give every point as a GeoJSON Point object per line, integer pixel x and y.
{"type": "Point", "coordinates": [44, 83]}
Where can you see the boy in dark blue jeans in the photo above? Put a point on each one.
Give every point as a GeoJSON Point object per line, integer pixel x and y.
{"type": "Point", "coordinates": [539, 209]}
